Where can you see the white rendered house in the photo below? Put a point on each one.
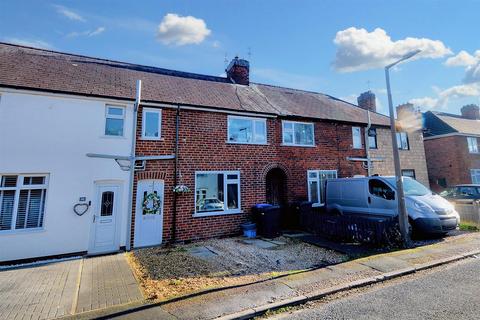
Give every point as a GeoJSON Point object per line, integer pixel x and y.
{"type": "Point", "coordinates": [44, 173]}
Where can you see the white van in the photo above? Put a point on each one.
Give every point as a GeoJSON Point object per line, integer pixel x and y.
{"type": "Point", "coordinates": [376, 196]}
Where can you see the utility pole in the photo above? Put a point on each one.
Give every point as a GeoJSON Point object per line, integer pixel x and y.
{"type": "Point", "coordinates": [402, 214]}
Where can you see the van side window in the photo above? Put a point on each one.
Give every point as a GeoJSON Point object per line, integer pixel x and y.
{"type": "Point", "coordinates": [379, 188]}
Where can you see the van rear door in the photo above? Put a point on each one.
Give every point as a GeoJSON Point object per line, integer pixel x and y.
{"type": "Point", "coordinates": [381, 198]}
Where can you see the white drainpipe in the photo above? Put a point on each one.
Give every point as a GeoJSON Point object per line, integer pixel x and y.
{"type": "Point", "coordinates": [367, 147]}
{"type": "Point", "coordinates": [138, 97]}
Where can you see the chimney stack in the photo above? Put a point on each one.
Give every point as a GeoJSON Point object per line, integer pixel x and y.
{"type": "Point", "coordinates": [367, 101]}
{"type": "Point", "coordinates": [239, 71]}
{"type": "Point", "coordinates": [471, 111]}
{"type": "Point", "coordinates": [405, 111]}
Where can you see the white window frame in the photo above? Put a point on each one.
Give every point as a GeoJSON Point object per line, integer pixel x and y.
{"type": "Point", "coordinates": [253, 131]}
{"type": "Point", "coordinates": [226, 181]}
{"type": "Point", "coordinates": [293, 143]}
{"type": "Point", "coordinates": [112, 116]}
{"type": "Point", "coordinates": [475, 175]}
{"type": "Point", "coordinates": [399, 140]}
{"type": "Point", "coordinates": [357, 143]}
{"type": "Point", "coordinates": [159, 114]}
{"type": "Point", "coordinates": [472, 144]}
{"type": "Point", "coordinates": [318, 180]}
{"type": "Point", "coordinates": [20, 186]}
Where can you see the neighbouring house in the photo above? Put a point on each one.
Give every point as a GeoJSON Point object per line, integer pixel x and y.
{"type": "Point", "coordinates": [230, 142]}
{"type": "Point", "coordinates": [451, 147]}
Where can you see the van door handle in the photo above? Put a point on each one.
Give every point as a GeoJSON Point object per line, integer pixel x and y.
{"type": "Point", "coordinates": [369, 200]}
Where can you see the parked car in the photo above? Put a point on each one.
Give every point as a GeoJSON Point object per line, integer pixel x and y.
{"type": "Point", "coordinates": [462, 193]}
{"type": "Point", "coordinates": [211, 204]}
{"type": "Point", "coordinates": [376, 196]}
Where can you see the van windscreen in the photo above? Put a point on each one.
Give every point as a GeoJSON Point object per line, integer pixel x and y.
{"type": "Point", "coordinates": [411, 187]}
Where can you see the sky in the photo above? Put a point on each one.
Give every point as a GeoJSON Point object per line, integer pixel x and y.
{"type": "Point", "coordinates": [335, 47]}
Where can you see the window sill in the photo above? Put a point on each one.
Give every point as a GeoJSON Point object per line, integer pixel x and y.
{"type": "Point", "coordinates": [216, 213]}
{"type": "Point", "coordinates": [247, 143]}
{"type": "Point", "coordinates": [317, 205]}
{"type": "Point", "coordinates": [152, 139]}
{"type": "Point", "coordinates": [113, 137]}
{"type": "Point", "coordinates": [22, 231]}
{"type": "Point", "coordinates": [298, 145]}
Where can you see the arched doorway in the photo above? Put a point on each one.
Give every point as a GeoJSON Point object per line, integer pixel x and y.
{"type": "Point", "coordinates": [276, 187]}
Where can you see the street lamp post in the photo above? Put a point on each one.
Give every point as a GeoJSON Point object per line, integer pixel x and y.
{"type": "Point", "coordinates": [402, 215]}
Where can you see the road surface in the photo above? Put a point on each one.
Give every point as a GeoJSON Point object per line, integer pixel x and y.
{"type": "Point", "coordinates": [451, 292]}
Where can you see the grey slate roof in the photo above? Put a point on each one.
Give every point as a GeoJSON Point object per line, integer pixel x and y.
{"type": "Point", "coordinates": [443, 123]}
{"type": "Point", "coordinates": [37, 69]}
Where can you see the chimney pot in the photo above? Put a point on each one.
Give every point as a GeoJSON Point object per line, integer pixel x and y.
{"type": "Point", "coordinates": [239, 71]}
{"type": "Point", "coordinates": [471, 111]}
{"type": "Point", "coordinates": [367, 101]}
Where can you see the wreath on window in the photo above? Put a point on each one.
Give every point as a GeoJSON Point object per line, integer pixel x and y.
{"type": "Point", "coordinates": [151, 203]}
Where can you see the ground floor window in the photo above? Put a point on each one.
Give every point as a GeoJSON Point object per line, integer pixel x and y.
{"type": "Point", "coordinates": [217, 192]}
{"type": "Point", "coordinates": [316, 185]}
{"type": "Point", "coordinates": [22, 201]}
{"type": "Point", "coordinates": [475, 173]}
{"type": "Point", "coordinates": [408, 173]}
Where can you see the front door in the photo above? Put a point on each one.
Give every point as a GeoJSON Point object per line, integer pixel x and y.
{"type": "Point", "coordinates": [105, 218]}
{"type": "Point", "coordinates": [149, 213]}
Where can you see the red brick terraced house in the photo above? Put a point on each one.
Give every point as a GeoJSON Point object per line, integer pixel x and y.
{"type": "Point", "coordinates": [452, 147]}
{"type": "Point", "coordinates": [231, 143]}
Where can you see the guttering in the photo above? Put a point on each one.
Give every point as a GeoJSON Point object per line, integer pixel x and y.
{"type": "Point", "coordinates": [138, 97]}
{"type": "Point", "coordinates": [438, 136]}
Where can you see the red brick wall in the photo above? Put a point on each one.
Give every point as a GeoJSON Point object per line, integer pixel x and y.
{"type": "Point", "coordinates": [203, 146]}
{"type": "Point", "coordinates": [449, 158]}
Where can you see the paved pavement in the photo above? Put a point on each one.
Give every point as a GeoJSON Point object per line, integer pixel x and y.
{"type": "Point", "coordinates": [63, 288]}
{"type": "Point", "coordinates": [452, 293]}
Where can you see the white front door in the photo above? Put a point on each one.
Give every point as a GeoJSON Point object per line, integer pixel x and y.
{"type": "Point", "coordinates": [105, 219]}
{"type": "Point", "coordinates": [149, 213]}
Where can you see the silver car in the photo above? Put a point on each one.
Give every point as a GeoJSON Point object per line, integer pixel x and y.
{"type": "Point", "coordinates": [376, 196]}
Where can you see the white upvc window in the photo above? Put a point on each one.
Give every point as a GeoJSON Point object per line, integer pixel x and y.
{"type": "Point", "coordinates": [472, 144]}
{"type": "Point", "coordinates": [217, 192]}
{"type": "Point", "coordinates": [402, 141]}
{"type": "Point", "coordinates": [475, 173]}
{"type": "Point", "coordinates": [247, 130]}
{"type": "Point", "coordinates": [316, 185]}
{"type": "Point", "coordinates": [22, 201]}
{"type": "Point", "coordinates": [151, 124]}
{"type": "Point", "coordinates": [114, 120]}
{"type": "Point", "coordinates": [296, 133]}
{"type": "Point", "coordinates": [357, 137]}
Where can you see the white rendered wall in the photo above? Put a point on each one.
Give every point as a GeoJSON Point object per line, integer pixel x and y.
{"type": "Point", "coordinates": [52, 134]}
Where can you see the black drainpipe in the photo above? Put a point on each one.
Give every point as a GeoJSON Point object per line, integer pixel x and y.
{"type": "Point", "coordinates": [175, 179]}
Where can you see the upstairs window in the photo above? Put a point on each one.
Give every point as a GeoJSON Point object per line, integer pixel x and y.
{"type": "Point", "coordinates": [298, 133]}
{"type": "Point", "coordinates": [115, 118]}
{"type": "Point", "coordinates": [316, 185]}
{"type": "Point", "coordinates": [151, 124]}
{"type": "Point", "coordinates": [22, 201]}
{"type": "Point", "coordinates": [357, 137]}
{"type": "Point", "coordinates": [372, 138]}
{"type": "Point", "coordinates": [472, 144]}
{"type": "Point", "coordinates": [247, 130]}
{"type": "Point", "coordinates": [475, 174]}
{"type": "Point", "coordinates": [402, 141]}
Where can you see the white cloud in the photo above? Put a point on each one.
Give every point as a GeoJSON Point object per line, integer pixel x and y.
{"type": "Point", "coordinates": [463, 59]}
{"type": "Point", "coordinates": [178, 30]}
{"type": "Point", "coordinates": [358, 49]}
{"type": "Point", "coordinates": [68, 13]}
{"type": "Point", "coordinates": [30, 43]}
{"type": "Point", "coordinates": [87, 33]}
{"type": "Point", "coordinates": [216, 44]}
{"type": "Point", "coordinates": [444, 96]}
